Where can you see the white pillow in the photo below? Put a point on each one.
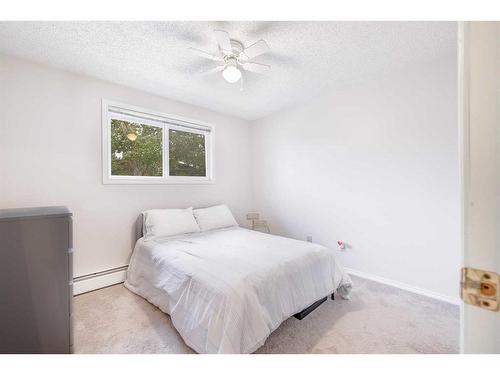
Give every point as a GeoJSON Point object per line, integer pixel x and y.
{"type": "Point", "coordinates": [214, 217]}
{"type": "Point", "coordinates": [169, 222]}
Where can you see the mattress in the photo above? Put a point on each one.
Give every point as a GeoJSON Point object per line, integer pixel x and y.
{"type": "Point", "coordinates": [226, 290]}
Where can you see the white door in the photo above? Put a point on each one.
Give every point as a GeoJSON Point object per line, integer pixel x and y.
{"type": "Point", "coordinates": [479, 77]}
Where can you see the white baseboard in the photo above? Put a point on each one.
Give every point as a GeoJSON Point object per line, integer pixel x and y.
{"type": "Point", "coordinates": [407, 287]}
{"type": "Point", "coordinates": [98, 282]}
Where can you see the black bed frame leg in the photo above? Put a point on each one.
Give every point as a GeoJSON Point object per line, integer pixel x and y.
{"type": "Point", "coordinates": [333, 296]}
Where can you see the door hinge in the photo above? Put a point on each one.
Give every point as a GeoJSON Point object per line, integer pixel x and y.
{"type": "Point", "coordinates": [480, 288]}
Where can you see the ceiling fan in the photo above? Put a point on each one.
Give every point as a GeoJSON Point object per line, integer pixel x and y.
{"type": "Point", "coordinates": [234, 57]}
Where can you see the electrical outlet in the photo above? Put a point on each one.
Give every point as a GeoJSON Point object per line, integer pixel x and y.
{"type": "Point", "coordinates": [309, 239]}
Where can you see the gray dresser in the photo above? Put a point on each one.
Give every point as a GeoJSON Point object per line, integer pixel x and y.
{"type": "Point", "coordinates": [36, 280]}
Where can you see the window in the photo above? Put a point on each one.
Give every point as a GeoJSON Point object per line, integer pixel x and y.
{"type": "Point", "coordinates": [141, 147]}
{"type": "Point", "coordinates": [136, 149]}
{"type": "Point", "coordinates": [186, 153]}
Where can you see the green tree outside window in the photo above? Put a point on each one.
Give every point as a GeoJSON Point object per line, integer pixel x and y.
{"type": "Point", "coordinates": [136, 149]}
{"type": "Point", "coordinates": [187, 153]}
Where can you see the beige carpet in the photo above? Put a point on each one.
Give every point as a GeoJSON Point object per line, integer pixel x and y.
{"type": "Point", "coordinates": [378, 319]}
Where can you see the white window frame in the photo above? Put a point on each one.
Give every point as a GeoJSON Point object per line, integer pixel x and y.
{"type": "Point", "coordinates": [166, 122]}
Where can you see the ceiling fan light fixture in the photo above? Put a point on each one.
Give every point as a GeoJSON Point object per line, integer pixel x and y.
{"type": "Point", "coordinates": [231, 74]}
{"type": "Point", "coordinates": [234, 57]}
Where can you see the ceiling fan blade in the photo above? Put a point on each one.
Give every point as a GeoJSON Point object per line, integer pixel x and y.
{"type": "Point", "coordinates": [223, 40]}
{"type": "Point", "coordinates": [204, 54]}
{"type": "Point", "coordinates": [256, 49]}
{"type": "Point", "coordinates": [217, 69]}
{"type": "Point", "coordinates": [255, 67]}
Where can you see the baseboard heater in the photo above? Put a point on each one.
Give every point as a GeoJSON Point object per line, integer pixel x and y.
{"type": "Point", "coordinates": [100, 273]}
{"type": "Point", "coordinates": [97, 280]}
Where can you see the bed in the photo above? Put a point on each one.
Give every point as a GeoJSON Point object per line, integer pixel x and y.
{"type": "Point", "coordinates": [227, 289]}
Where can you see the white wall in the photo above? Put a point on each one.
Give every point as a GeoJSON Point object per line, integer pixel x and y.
{"type": "Point", "coordinates": [50, 154]}
{"type": "Point", "coordinates": [374, 164]}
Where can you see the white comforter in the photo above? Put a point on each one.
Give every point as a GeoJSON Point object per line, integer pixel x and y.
{"type": "Point", "coordinates": [227, 290]}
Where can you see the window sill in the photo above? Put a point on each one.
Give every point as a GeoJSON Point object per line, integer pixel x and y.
{"type": "Point", "coordinates": [159, 181]}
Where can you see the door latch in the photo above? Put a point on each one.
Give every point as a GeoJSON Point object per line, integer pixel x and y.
{"type": "Point", "coordinates": [480, 288]}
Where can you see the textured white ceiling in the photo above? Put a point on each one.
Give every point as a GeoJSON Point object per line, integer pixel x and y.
{"type": "Point", "coordinates": [306, 57]}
